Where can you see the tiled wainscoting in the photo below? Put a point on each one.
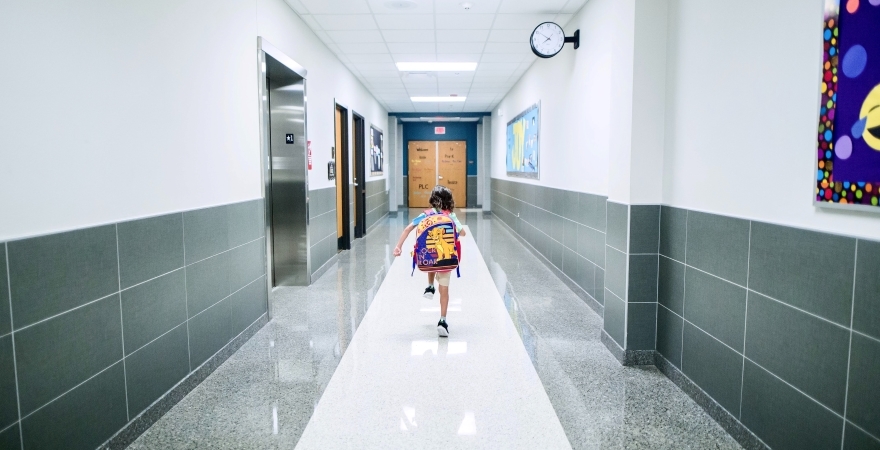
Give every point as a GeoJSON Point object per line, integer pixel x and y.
{"type": "Point", "coordinates": [778, 326]}
{"type": "Point", "coordinates": [774, 330]}
{"type": "Point", "coordinates": [565, 228]}
{"type": "Point", "coordinates": [322, 230]}
{"type": "Point", "coordinates": [472, 201]}
{"type": "Point", "coordinates": [104, 329]}
{"type": "Point", "coordinates": [377, 202]}
{"type": "Point", "coordinates": [629, 328]}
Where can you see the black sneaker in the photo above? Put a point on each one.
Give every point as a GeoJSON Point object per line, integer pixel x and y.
{"type": "Point", "coordinates": [429, 292]}
{"type": "Point", "coordinates": [442, 328]}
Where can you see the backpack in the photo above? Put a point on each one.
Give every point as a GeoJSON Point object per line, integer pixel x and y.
{"type": "Point", "coordinates": [437, 248]}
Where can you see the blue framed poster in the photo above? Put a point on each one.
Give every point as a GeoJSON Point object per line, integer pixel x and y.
{"type": "Point", "coordinates": [523, 143]}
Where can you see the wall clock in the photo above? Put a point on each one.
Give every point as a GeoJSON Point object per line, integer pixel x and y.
{"type": "Point", "coordinates": [548, 39]}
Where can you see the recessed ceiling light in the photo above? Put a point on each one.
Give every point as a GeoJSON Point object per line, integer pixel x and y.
{"type": "Point", "coordinates": [401, 4]}
{"type": "Point", "coordinates": [437, 66]}
{"type": "Point", "coordinates": [438, 99]}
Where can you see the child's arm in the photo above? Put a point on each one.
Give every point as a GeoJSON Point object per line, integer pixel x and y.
{"type": "Point", "coordinates": [406, 232]}
{"type": "Point", "coordinates": [458, 225]}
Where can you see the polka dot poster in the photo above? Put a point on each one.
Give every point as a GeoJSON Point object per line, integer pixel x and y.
{"type": "Point", "coordinates": [848, 153]}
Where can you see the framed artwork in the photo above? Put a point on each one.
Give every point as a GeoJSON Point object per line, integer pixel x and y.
{"type": "Point", "coordinates": [523, 143]}
{"type": "Point", "coordinates": [377, 157]}
{"type": "Point", "coordinates": [848, 156]}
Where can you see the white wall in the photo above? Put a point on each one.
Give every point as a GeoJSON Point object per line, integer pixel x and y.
{"type": "Point", "coordinates": [574, 89]}
{"type": "Point", "coordinates": [117, 110]}
{"type": "Point", "coordinates": [742, 111]}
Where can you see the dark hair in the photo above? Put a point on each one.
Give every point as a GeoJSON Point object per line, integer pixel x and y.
{"type": "Point", "coordinates": [441, 198]}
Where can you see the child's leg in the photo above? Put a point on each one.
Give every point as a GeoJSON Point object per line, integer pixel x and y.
{"type": "Point", "coordinates": [430, 278]}
{"type": "Point", "coordinates": [443, 281]}
{"type": "Point", "coordinates": [444, 300]}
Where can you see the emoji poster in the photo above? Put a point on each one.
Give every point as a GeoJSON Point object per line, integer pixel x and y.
{"type": "Point", "coordinates": [848, 170]}
{"type": "Point", "coordinates": [522, 143]}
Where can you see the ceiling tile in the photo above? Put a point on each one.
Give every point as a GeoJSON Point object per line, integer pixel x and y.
{"type": "Point", "coordinates": [531, 6]}
{"type": "Point", "coordinates": [491, 66]}
{"type": "Point", "coordinates": [459, 57]}
{"type": "Point", "coordinates": [385, 66]}
{"type": "Point", "coordinates": [464, 21]}
{"type": "Point", "coordinates": [411, 47]}
{"type": "Point", "coordinates": [405, 21]}
{"type": "Point", "coordinates": [573, 6]}
{"type": "Point", "coordinates": [520, 21]}
{"type": "Point", "coordinates": [451, 76]}
{"type": "Point", "coordinates": [379, 7]}
{"type": "Point", "coordinates": [370, 57]}
{"type": "Point", "coordinates": [414, 57]}
{"type": "Point", "coordinates": [346, 21]}
{"type": "Point", "coordinates": [297, 6]}
{"type": "Point", "coordinates": [310, 21]}
{"type": "Point", "coordinates": [405, 36]}
{"type": "Point", "coordinates": [503, 57]}
{"type": "Point", "coordinates": [355, 37]}
{"type": "Point", "coordinates": [375, 47]}
{"type": "Point", "coordinates": [522, 48]}
{"type": "Point", "coordinates": [462, 35]}
{"type": "Point", "coordinates": [509, 35]}
{"type": "Point", "coordinates": [460, 47]}
{"type": "Point", "coordinates": [376, 73]}
{"type": "Point", "coordinates": [477, 7]}
{"type": "Point", "coordinates": [325, 7]}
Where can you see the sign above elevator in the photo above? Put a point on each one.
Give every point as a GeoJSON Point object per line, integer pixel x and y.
{"type": "Point", "coordinates": [289, 139]}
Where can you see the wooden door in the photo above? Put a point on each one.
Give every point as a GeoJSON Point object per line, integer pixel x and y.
{"type": "Point", "coordinates": [453, 169]}
{"type": "Point", "coordinates": [422, 172]}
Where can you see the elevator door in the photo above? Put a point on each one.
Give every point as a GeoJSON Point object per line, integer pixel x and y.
{"type": "Point", "coordinates": [288, 185]}
{"type": "Point", "coordinates": [437, 162]}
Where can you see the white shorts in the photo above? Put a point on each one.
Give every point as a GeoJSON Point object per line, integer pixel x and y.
{"type": "Point", "coordinates": [443, 278]}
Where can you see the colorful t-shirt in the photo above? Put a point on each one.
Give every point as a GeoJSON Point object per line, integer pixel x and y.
{"type": "Point", "coordinates": [422, 216]}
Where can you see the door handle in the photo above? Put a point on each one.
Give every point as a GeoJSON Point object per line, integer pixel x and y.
{"type": "Point", "coordinates": [440, 178]}
{"type": "Point", "coordinates": [355, 184]}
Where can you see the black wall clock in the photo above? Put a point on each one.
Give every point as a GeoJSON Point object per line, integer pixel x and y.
{"type": "Point", "coordinates": [548, 39]}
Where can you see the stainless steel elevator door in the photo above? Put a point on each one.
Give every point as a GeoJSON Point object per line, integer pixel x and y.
{"type": "Point", "coordinates": [288, 184]}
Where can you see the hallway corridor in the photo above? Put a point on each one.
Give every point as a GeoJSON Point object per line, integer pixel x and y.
{"type": "Point", "coordinates": [264, 396]}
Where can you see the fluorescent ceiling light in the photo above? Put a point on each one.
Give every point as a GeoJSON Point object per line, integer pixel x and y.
{"type": "Point", "coordinates": [437, 66]}
{"type": "Point", "coordinates": [438, 99]}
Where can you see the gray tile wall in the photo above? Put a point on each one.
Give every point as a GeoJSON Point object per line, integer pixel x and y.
{"type": "Point", "coordinates": [631, 279]}
{"type": "Point", "coordinates": [778, 325]}
{"type": "Point", "coordinates": [322, 227]}
{"type": "Point", "coordinates": [472, 181]}
{"type": "Point", "coordinates": [377, 202]}
{"type": "Point", "coordinates": [566, 228]}
{"type": "Point", "coordinates": [99, 323]}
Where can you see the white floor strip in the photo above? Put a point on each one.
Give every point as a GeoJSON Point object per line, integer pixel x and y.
{"type": "Point", "coordinates": [399, 385]}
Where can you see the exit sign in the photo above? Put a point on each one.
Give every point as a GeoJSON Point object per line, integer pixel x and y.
{"type": "Point", "coordinates": [439, 130]}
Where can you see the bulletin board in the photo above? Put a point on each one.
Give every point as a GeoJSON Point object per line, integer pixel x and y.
{"type": "Point", "coordinates": [377, 157]}
{"type": "Point", "coordinates": [848, 154]}
{"type": "Point", "coordinates": [523, 143]}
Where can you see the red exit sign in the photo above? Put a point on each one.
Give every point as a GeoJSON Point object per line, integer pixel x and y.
{"type": "Point", "coordinates": [439, 130]}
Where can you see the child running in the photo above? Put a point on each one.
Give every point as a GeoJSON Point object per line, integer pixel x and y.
{"type": "Point", "coordinates": [443, 203]}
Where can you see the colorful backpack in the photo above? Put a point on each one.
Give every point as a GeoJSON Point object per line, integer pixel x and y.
{"type": "Point", "coordinates": [437, 248]}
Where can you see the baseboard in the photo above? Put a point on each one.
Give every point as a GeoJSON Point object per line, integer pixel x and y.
{"type": "Point", "coordinates": [580, 292]}
{"type": "Point", "coordinates": [728, 421]}
{"type": "Point", "coordinates": [323, 269]}
{"type": "Point", "coordinates": [613, 347]}
{"type": "Point", "coordinates": [487, 213]}
{"type": "Point", "coordinates": [137, 426]}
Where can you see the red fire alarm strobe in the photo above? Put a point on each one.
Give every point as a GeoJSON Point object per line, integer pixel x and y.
{"type": "Point", "coordinates": [439, 130]}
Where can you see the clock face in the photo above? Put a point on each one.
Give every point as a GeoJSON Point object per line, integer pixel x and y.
{"type": "Point", "coordinates": [547, 39]}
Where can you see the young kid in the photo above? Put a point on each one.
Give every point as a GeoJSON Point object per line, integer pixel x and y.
{"type": "Point", "coordinates": [443, 203]}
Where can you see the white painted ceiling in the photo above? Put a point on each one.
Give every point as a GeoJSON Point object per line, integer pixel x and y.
{"type": "Point", "coordinates": [370, 36]}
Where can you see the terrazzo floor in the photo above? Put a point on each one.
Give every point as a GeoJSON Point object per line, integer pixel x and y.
{"type": "Point", "coordinates": [266, 393]}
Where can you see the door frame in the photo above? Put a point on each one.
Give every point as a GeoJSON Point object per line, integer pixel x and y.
{"type": "Point", "coordinates": [342, 173]}
{"type": "Point", "coordinates": [265, 48]}
{"type": "Point", "coordinates": [360, 179]}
